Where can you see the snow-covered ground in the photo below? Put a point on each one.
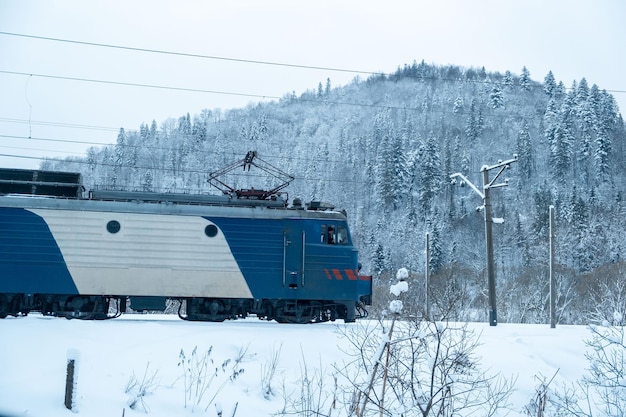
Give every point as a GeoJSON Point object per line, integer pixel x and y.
{"type": "Point", "coordinates": [112, 354]}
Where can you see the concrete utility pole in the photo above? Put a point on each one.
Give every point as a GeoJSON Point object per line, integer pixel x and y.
{"type": "Point", "coordinates": [552, 275]}
{"type": "Point", "coordinates": [489, 221]}
{"type": "Point", "coordinates": [427, 274]}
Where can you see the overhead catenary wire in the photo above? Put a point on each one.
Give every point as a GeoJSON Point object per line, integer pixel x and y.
{"type": "Point", "coordinates": [323, 100]}
{"type": "Point", "coordinates": [58, 124]}
{"type": "Point", "coordinates": [179, 170]}
{"type": "Point", "coordinates": [239, 60]}
{"type": "Point", "coordinates": [76, 142]}
{"type": "Point", "coordinates": [108, 143]}
{"type": "Point", "coordinates": [232, 155]}
{"type": "Point", "coordinates": [149, 147]}
{"type": "Point", "coordinates": [132, 84]}
{"type": "Point", "coordinates": [192, 55]}
{"type": "Point", "coordinates": [42, 150]}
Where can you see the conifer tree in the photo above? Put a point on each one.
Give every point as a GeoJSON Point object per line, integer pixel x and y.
{"type": "Point", "coordinates": [144, 132]}
{"type": "Point", "coordinates": [524, 149]}
{"type": "Point", "coordinates": [381, 262]}
{"type": "Point", "coordinates": [436, 260]}
{"type": "Point", "coordinates": [606, 119]}
{"type": "Point", "coordinates": [507, 80]}
{"type": "Point", "coordinates": [458, 105]}
{"type": "Point", "coordinates": [392, 168]}
{"type": "Point", "coordinates": [562, 145]}
{"type": "Point", "coordinates": [472, 127]}
{"type": "Point", "coordinates": [184, 124]}
{"type": "Point", "coordinates": [524, 80]}
{"type": "Point", "coordinates": [496, 98]}
{"type": "Point", "coordinates": [578, 211]}
{"type": "Point", "coordinates": [120, 148]}
{"type": "Point", "coordinates": [153, 129]}
{"type": "Point", "coordinates": [92, 158]}
{"type": "Point", "coordinates": [582, 92]}
{"type": "Point", "coordinates": [543, 199]}
{"type": "Point", "coordinates": [549, 85]}
{"type": "Point", "coordinates": [560, 90]}
{"type": "Point", "coordinates": [586, 129]}
{"type": "Point", "coordinates": [429, 172]}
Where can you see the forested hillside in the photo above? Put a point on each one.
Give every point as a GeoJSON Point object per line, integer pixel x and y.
{"type": "Point", "coordinates": [384, 148]}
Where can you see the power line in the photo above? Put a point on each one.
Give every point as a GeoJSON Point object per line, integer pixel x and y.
{"type": "Point", "coordinates": [241, 60]}
{"type": "Point", "coordinates": [195, 90]}
{"type": "Point", "coordinates": [214, 57]}
{"type": "Point", "coordinates": [58, 124]}
{"type": "Point", "coordinates": [128, 84]}
{"type": "Point", "coordinates": [143, 145]}
{"type": "Point", "coordinates": [165, 169]}
{"type": "Point", "coordinates": [75, 142]}
{"type": "Point", "coordinates": [152, 148]}
{"type": "Point", "coordinates": [324, 101]}
{"type": "Point", "coordinates": [257, 96]}
{"type": "Point", "coordinates": [41, 150]}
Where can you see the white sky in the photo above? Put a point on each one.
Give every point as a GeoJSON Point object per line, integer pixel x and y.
{"type": "Point", "coordinates": [573, 38]}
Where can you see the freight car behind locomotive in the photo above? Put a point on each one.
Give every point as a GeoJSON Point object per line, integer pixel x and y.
{"type": "Point", "coordinates": [68, 253]}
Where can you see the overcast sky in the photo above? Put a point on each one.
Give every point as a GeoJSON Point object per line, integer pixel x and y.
{"type": "Point", "coordinates": [573, 38]}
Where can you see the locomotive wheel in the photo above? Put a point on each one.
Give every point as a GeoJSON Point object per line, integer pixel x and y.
{"type": "Point", "coordinates": [4, 306]}
{"type": "Point", "coordinates": [298, 312]}
{"type": "Point", "coordinates": [85, 308]}
{"type": "Point", "coordinates": [285, 319]}
{"type": "Point", "coordinates": [205, 309]}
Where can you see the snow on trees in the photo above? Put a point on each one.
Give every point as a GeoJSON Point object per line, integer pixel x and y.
{"type": "Point", "coordinates": [383, 150]}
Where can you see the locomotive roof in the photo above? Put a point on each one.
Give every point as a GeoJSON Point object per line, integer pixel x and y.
{"type": "Point", "coordinates": [64, 191]}
{"type": "Point", "coordinates": [36, 182]}
{"type": "Point", "coordinates": [241, 211]}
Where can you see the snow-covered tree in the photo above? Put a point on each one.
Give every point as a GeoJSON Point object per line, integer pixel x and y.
{"type": "Point", "coordinates": [525, 83]}
{"type": "Point", "coordinates": [525, 152]}
{"type": "Point", "coordinates": [496, 98]}
{"type": "Point", "coordinates": [429, 173]}
{"type": "Point", "coordinates": [385, 150]}
{"type": "Point", "coordinates": [549, 85]}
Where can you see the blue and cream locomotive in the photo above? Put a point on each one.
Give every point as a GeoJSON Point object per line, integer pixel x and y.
{"type": "Point", "coordinates": [72, 254]}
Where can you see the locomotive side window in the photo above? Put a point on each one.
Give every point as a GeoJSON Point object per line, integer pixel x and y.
{"type": "Point", "coordinates": [328, 234]}
{"type": "Point", "coordinates": [113, 226]}
{"type": "Point", "coordinates": [334, 235]}
{"type": "Point", "coordinates": [210, 230]}
{"type": "Point", "coordinates": [342, 236]}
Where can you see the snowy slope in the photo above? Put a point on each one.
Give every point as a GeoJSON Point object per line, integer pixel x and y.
{"type": "Point", "coordinates": [34, 351]}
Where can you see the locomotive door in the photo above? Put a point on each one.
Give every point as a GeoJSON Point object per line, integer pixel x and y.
{"type": "Point", "coordinates": [294, 251]}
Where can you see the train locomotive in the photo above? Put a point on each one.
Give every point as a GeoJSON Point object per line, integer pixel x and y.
{"type": "Point", "coordinates": [91, 255]}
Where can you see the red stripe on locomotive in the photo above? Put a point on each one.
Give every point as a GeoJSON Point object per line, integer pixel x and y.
{"type": "Point", "coordinates": [351, 275]}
